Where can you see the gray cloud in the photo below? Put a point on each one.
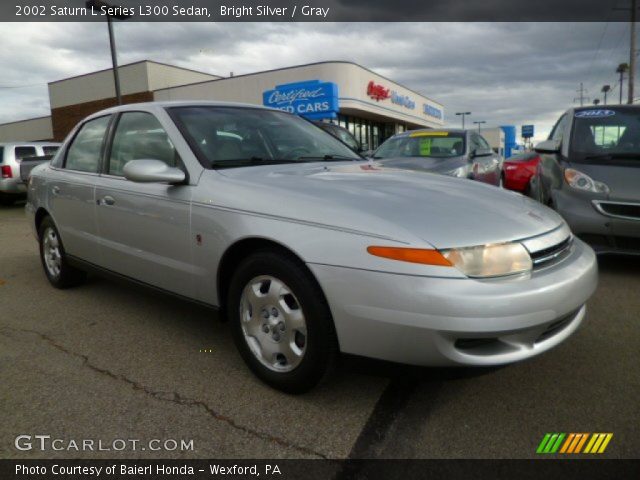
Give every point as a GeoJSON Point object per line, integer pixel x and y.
{"type": "Point", "coordinates": [505, 73]}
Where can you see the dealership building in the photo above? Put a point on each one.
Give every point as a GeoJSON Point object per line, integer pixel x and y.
{"type": "Point", "coordinates": [369, 105]}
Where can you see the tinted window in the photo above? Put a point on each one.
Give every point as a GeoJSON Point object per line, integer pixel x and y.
{"type": "Point", "coordinates": [423, 144]}
{"type": "Point", "coordinates": [50, 149]}
{"type": "Point", "coordinates": [607, 132]}
{"type": "Point", "coordinates": [1, 154]}
{"type": "Point", "coordinates": [231, 137]}
{"type": "Point", "coordinates": [84, 153]}
{"type": "Point", "coordinates": [138, 136]}
{"type": "Point", "coordinates": [25, 152]}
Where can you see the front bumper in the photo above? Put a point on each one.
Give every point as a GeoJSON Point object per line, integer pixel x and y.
{"type": "Point", "coordinates": [443, 321]}
{"type": "Point", "coordinates": [604, 233]}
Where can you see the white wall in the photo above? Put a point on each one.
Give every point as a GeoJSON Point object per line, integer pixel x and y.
{"type": "Point", "coordinates": [27, 130]}
{"type": "Point", "coordinates": [352, 83]}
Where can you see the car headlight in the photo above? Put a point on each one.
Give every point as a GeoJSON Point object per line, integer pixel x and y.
{"type": "Point", "coordinates": [490, 260]}
{"type": "Point", "coordinates": [582, 181]}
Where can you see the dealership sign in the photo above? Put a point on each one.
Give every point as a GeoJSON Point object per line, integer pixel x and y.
{"type": "Point", "coordinates": [377, 91]}
{"type": "Point", "coordinates": [432, 111]}
{"type": "Point", "coordinates": [403, 100]}
{"type": "Point", "coordinates": [527, 131]}
{"type": "Point", "coordinates": [311, 99]}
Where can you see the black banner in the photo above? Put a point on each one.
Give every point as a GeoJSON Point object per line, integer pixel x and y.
{"type": "Point", "coordinates": [319, 469]}
{"type": "Point", "coordinates": [315, 11]}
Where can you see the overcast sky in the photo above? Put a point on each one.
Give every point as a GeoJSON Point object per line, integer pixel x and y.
{"type": "Point", "coordinates": [505, 73]}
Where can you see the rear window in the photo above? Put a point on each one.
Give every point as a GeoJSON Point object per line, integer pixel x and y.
{"type": "Point", "coordinates": [25, 152]}
{"type": "Point", "coordinates": [50, 149]}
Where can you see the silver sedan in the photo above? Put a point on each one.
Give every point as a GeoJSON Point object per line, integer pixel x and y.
{"type": "Point", "coordinates": [305, 248]}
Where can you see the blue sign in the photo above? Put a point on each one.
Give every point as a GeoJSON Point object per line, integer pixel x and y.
{"type": "Point", "coordinates": [527, 131]}
{"type": "Point", "coordinates": [594, 113]}
{"type": "Point", "coordinates": [431, 111]}
{"type": "Point", "coordinates": [312, 99]}
{"type": "Point", "coordinates": [404, 100]}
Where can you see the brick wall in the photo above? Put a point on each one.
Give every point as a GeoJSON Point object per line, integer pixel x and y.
{"type": "Point", "coordinates": [65, 118]}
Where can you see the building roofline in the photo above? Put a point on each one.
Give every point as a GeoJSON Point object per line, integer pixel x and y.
{"type": "Point", "coordinates": [137, 63]}
{"type": "Point", "coordinates": [300, 66]}
{"type": "Point", "coordinates": [25, 120]}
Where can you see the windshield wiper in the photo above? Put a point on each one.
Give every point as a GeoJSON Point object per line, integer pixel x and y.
{"type": "Point", "coordinates": [329, 158]}
{"type": "Point", "coordinates": [244, 162]}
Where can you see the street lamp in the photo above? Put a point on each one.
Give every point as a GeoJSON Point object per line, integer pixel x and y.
{"type": "Point", "coordinates": [605, 89]}
{"type": "Point", "coordinates": [480, 122]}
{"type": "Point", "coordinates": [97, 5]}
{"type": "Point", "coordinates": [463, 115]}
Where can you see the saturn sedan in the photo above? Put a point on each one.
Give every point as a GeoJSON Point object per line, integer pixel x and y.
{"type": "Point", "coordinates": [305, 248]}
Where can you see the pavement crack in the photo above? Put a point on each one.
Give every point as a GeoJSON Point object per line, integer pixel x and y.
{"type": "Point", "coordinates": [173, 397]}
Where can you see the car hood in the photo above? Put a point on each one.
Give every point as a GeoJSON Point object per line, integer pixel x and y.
{"type": "Point", "coordinates": [367, 198]}
{"type": "Point", "coordinates": [622, 181]}
{"type": "Point", "coordinates": [427, 164]}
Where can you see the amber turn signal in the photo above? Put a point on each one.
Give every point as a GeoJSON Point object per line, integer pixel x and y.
{"type": "Point", "coordinates": [413, 255]}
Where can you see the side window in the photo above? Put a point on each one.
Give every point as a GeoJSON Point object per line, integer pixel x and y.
{"type": "Point", "coordinates": [25, 152]}
{"type": "Point", "coordinates": [475, 142]}
{"type": "Point", "coordinates": [138, 136]}
{"type": "Point", "coordinates": [84, 152]}
{"type": "Point", "coordinates": [50, 149]}
{"type": "Point", "coordinates": [483, 143]}
{"type": "Point", "coordinates": [558, 131]}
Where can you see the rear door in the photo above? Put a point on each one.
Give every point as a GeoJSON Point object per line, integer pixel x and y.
{"type": "Point", "coordinates": [71, 190]}
{"type": "Point", "coordinates": [144, 227]}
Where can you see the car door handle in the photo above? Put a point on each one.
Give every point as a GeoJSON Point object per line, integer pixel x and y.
{"type": "Point", "coordinates": [55, 190]}
{"type": "Point", "coordinates": [107, 201]}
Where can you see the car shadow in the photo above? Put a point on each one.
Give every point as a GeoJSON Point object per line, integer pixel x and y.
{"type": "Point", "coordinates": [619, 263]}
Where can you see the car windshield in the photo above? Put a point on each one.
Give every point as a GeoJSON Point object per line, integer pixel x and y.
{"type": "Point", "coordinates": [225, 137]}
{"type": "Point", "coordinates": [423, 144]}
{"type": "Point", "coordinates": [606, 134]}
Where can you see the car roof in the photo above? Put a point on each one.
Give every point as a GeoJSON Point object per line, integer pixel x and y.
{"type": "Point", "coordinates": [177, 103]}
{"type": "Point", "coordinates": [606, 107]}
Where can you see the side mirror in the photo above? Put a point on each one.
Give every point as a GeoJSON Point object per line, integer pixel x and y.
{"type": "Point", "coordinates": [152, 171]}
{"type": "Point", "coordinates": [481, 152]}
{"type": "Point", "coordinates": [548, 146]}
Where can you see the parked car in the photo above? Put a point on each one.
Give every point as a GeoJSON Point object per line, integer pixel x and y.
{"type": "Point", "coordinates": [11, 155]}
{"type": "Point", "coordinates": [453, 152]}
{"type": "Point", "coordinates": [343, 135]}
{"type": "Point", "coordinates": [590, 173]}
{"type": "Point", "coordinates": [306, 251]}
{"type": "Point", "coordinates": [518, 170]}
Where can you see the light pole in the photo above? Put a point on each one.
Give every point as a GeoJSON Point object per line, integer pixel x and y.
{"type": "Point", "coordinates": [480, 122]}
{"type": "Point", "coordinates": [96, 5]}
{"type": "Point", "coordinates": [464, 114]}
{"type": "Point", "coordinates": [605, 89]}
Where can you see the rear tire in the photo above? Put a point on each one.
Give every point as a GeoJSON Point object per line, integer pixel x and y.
{"type": "Point", "coordinates": [281, 322]}
{"type": "Point", "coordinates": [54, 260]}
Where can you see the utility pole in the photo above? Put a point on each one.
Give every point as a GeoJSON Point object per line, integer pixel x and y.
{"type": "Point", "coordinates": [605, 89]}
{"type": "Point", "coordinates": [582, 96]}
{"type": "Point", "coordinates": [632, 52]}
{"type": "Point", "coordinates": [623, 67]}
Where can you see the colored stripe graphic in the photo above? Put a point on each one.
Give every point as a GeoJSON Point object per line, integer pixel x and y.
{"type": "Point", "coordinates": [574, 443]}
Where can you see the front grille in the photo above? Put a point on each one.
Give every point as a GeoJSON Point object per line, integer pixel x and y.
{"type": "Point", "coordinates": [551, 254]}
{"type": "Point", "coordinates": [619, 209]}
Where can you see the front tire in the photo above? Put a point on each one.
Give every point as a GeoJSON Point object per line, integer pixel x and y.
{"type": "Point", "coordinates": [54, 261]}
{"type": "Point", "coordinates": [281, 322]}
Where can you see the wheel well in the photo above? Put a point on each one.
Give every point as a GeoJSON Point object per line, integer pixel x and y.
{"type": "Point", "coordinates": [40, 214]}
{"type": "Point", "coordinates": [236, 253]}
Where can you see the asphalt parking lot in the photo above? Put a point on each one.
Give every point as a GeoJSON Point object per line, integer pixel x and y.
{"type": "Point", "coordinates": [107, 361]}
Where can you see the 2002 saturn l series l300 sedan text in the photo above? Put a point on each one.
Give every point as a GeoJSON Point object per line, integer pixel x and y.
{"type": "Point", "coordinates": [307, 249]}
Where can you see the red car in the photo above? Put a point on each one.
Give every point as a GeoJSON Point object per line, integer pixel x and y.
{"type": "Point", "coordinates": [518, 170]}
